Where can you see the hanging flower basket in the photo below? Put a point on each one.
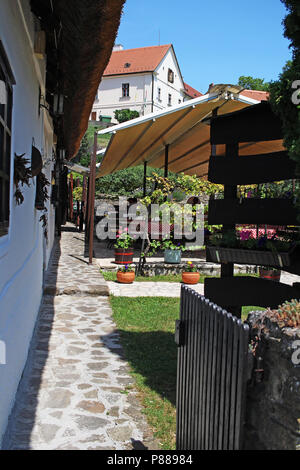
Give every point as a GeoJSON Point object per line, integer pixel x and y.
{"type": "Point", "coordinates": [242, 256]}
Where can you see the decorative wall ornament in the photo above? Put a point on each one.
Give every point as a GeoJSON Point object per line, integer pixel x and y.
{"type": "Point", "coordinates": [22, 176]}
{"type": "Point", "coordinates": [36, 161]}
{"type": "Point", "coordinates": [41, 198]}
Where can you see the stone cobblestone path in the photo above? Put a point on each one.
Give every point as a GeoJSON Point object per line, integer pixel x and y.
{"type": "Point", "coordinates": [76, 391]}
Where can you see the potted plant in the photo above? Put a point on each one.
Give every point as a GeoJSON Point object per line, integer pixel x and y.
{"type": "Point", "coordinates": [126, 275]}
{"type": "Point", "coordinates": [272, 274]}
{"type": "Point", "coordinates": [172, 251]}
{"type": "Point", "coordinates": [190, 275]}
{"type": "Point", "coordinates": [123, 248]}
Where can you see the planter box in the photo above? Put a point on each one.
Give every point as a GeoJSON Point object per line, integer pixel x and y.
{"type": "Point", "coordinates": [124, 256]}
{"type": "Point", "coordinates": [172, 256]}
{"type": "Point", "coordinates": [240, 256]}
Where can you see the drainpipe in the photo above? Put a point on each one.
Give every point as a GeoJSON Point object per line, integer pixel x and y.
{"type": "Point", "coordinates": [92, 198]}
{"type": "Point", "coordinates": [152, 106]}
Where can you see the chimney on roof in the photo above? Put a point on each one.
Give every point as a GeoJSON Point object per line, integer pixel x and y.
{"type": "Point", "coordinates": [118, 47]}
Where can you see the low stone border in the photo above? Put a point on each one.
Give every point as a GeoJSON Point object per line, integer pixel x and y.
{"type": "Point", "coordinates": [159, 269]}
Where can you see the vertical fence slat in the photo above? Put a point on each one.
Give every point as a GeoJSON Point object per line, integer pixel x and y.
{"type": "Point", "coordinates": [219, 340]}
{"type": "Point", "coordinates": [223, 381]}
{"type": "Point", "coordinates": [202, 368]}
{"type": "Point", "coordinates": [233, 384]}
{"type": "Point", "coordinates": [198, 372]}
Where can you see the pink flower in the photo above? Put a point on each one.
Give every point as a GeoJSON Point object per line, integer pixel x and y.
{"type": "Point", "coordinates": [245, 235]}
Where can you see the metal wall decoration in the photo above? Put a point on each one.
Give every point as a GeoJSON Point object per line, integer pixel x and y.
{"type": "Point", "coordinates": [22, 176]}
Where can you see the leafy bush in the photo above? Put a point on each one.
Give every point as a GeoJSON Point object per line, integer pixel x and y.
{"type": "Point", "coordinates": [123, 115]}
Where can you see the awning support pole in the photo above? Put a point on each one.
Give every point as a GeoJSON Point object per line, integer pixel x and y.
{"type": "Point", "coordinates": [145, 179]}
{"type": "Point", "coordinates": [92, 198]}
{"type": "Point", "coordinates": [166, 161]}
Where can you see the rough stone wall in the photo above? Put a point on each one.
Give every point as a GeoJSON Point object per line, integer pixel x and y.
{"type": "Point", "coordinates": [273, 396]}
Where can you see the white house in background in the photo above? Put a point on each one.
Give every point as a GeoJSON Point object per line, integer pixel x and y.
{"type": "Point", "coordinates": [146, 80]}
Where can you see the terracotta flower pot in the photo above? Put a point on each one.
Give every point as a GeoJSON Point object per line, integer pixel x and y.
{"type": "Point", "coordinates": [125, 278]}
{"type": "Point", "coordinates": [190, 278]}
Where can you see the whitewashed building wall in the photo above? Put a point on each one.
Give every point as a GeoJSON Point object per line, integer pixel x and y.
{"type": "Point", "coordinates": [110, 95]}
{"type": "Point", "coordinates": [23, 253]}
{"type": "Point", "coordinates": [161, 81]}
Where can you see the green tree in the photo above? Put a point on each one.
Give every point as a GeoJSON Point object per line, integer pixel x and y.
{"type": "Point", "coordinates": [84, 154]}
{"type": "Point", "coordinates": [250, 83]}
{"type": "Point", "coordinates": [123, 115]}
{"type": "Point", "coordinates": [284, 97]}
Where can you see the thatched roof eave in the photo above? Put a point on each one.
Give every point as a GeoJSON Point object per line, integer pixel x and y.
{"type": "Point", "coordinates": [86, 31]}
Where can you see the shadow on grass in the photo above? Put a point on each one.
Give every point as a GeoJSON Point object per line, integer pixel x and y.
{"type": "Point", "coordinates": [153, 359]}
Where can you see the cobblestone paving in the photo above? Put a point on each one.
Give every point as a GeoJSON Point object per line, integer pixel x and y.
{"type": "Point", "coordinates": [69, 272]}
{"type": "Point", "coordinates": [76, 391]}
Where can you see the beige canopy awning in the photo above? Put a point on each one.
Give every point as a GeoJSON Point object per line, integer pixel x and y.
{"type": "Point", "coordinates": [184, 130]}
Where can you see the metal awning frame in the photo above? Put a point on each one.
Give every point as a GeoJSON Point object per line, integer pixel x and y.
{"type": "Point", "coordinates": [152, 118]}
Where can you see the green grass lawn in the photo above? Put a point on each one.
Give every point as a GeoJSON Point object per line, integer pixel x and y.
{"type": "Point", "coordinates": [112, 276]}
{"type": "Point", "coordinates": [147, 327]}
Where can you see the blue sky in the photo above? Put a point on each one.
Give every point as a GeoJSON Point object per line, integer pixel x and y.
{"type": "Point", "coordinates": [215, 41]}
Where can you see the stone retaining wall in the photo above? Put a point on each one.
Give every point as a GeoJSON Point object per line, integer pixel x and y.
{"type": "Point", "coordinates": [273, 396]}
{"type": "Point", "coordinates": [157, 269]}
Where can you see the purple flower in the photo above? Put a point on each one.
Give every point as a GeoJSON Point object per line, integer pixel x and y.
{"type": "Point", "coordinates": [245, 235]}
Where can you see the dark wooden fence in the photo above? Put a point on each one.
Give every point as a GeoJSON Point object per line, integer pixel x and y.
{"type": "Point", "coordinates": [211, 377]}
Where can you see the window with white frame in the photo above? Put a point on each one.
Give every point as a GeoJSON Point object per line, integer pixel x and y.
{"type": "Point", "coordinates": [159, 94]}
{"type": "Point", "coordinates": [170, 99]}
{"type": "Point", "coordinates": [125, 90]}
{"type": "Point", "coordinates": [6, 102]}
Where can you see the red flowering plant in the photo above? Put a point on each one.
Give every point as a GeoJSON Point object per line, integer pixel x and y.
{"type": "Point", "coordinates": [124, 240]}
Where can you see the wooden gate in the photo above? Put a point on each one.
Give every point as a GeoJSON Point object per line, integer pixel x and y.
{"type": "Point", "coordinates": [211, 376]}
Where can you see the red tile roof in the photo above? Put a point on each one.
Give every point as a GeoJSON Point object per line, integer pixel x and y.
{"type": "Point", "coordinates": [191, 91]}
{"type": "Point", "coordinates": [256, 95]}
{"type": "Point", "coordinates": [143, 59]}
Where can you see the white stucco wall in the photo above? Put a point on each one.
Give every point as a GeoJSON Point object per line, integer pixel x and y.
{"type": "Point", "coordinates": [22, 252]}
{"type": "Point", "coordinates": [161, 81]}
{"type": "Point", "coordinates": [110, 95]}
{"type": "Point", "coordinates": [142, 86]}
